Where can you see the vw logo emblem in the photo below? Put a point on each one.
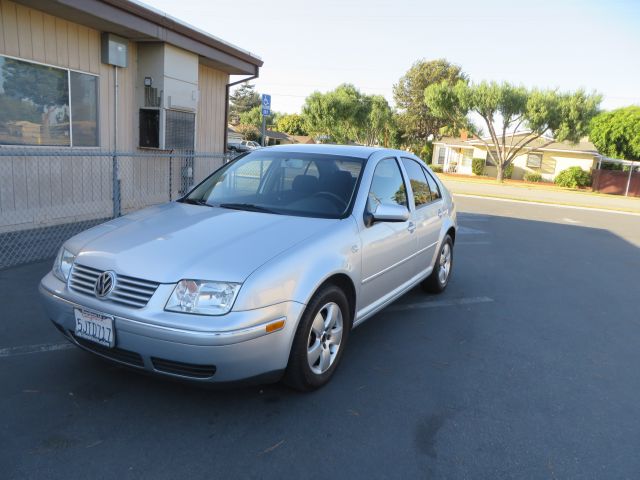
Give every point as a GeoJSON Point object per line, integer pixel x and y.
{"type": "Point", "coordinates": [104, 284]}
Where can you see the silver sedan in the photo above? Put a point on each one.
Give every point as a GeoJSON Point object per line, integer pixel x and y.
{"type": "Point", "coordinates": [260, 272]}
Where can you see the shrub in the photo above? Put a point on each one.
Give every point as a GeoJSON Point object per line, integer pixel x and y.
{"type": "Point", "coordinates": [508, 171]}
{"type": "Point", "coordinates": [436, 168]}
{"type": "Point", "coordinates": [532, 177]}
{"type": "Point", "coordinates": [610, 166]}
{"type": "Point", "coordinates": [573, 177]}
{"type": "Point", "coordinates": [477, 166]}
{"type": "Point", "coordinates": [426, 153]}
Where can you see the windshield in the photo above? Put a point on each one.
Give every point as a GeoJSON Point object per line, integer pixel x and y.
{"type": "Point", "coordinates": [306, 184]}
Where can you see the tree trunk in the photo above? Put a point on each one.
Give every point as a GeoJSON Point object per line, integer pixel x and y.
{"type": "Point", "coordinates": [500, 175]}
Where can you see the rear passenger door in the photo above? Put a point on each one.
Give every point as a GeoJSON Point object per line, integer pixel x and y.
{"type": "Point", "coordinates": [427, 213]}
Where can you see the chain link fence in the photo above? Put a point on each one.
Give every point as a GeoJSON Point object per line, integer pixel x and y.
{"type": "Point", "coordinates": [47, 196]}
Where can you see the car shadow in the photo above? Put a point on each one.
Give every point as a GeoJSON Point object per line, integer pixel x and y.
{"type": "Point", "coordinates": [427, 384]}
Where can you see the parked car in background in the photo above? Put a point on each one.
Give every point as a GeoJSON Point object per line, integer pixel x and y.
{"type": "Point", "coordinates": [243, 146]}
{"type": "Point", "coordinates": [262, 270]}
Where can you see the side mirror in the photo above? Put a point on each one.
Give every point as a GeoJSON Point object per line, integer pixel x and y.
{"type": "Point", "coordinates": [391, 213]}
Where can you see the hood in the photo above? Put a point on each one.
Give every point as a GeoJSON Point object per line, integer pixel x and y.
{"type": "Point", "coordinates": [174, 241]}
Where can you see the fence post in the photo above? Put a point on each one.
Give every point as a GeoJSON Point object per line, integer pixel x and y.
{"type": "Point", "coordinates": [631, 167]}
{"type": "Point", "coordinates": [171, 176]}
{"type": "Point", "coordinates": [116, 185]}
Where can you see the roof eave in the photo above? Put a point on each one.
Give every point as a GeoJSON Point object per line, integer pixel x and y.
{"type": "Point", "coordinates": [138, 22]}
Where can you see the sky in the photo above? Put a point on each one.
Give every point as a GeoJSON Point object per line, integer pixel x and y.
{"type": "Point", "coordinates": [308, 46]}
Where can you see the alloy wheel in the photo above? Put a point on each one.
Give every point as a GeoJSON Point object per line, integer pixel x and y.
{"type": "Point", "coordinates": [445, 263]}
{"type": "Point", "coordinates": [325, 338]}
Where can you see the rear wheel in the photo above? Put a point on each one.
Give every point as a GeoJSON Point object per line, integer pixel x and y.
{"type": "Point", "coordinates": [319, 341]}
{"type": "Point", "coordinates": [439, 278]}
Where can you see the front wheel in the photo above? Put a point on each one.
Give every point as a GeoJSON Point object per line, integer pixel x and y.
{"type": "Point", "coordinates": [319, 341]}
{"type": "Point", "coordinates": [439, 278]}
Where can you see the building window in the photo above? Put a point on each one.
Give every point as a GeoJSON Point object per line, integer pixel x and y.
{"type": "Point", "coordinates": [35, 108]}
{"type": "Point", "coordinates": [534, 160]}
{"type": "Point", "coordinates": [84, 109]}
{"type": "Point", "coordinates": [490, 160]}
{"type": "Point", "coordinates": [442, 153]}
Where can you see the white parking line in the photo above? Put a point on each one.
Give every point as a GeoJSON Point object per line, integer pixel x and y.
{"type": "Point", "coordinates": [439, 303]}
{"type": "Point", "coordinates": [543, 204]}
{"type": "Point", "coordinates": [29, 349]}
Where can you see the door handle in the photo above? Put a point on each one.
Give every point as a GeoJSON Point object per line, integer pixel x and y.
{"type": "Point", "coordinates": [440, 213]}
{"type": "Point", "coordinates": [411, 227]}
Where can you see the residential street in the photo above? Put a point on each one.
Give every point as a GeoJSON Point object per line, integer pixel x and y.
{"type": "Point", "coordinates": [534, 193]}
{"type": "Point", "coordinates": [524, 368]}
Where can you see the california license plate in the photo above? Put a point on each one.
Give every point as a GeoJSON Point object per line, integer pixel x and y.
{"type": "Point", "coordinates": [95, 327]}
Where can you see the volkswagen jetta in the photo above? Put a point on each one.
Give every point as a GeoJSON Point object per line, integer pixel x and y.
{"type": "Point", "coordinates": [262, 270]}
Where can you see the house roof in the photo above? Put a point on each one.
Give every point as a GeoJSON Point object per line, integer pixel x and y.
{"type": "Point", "coordinates": [276, 135]}
{"type": "Point", "coordinates": [138, 22]}
{"type": "Point", "coordinates": [302, 138]}
{"type": "Point", "coordinates": [584, 145]}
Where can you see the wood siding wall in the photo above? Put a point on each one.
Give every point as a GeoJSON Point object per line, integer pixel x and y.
{"type": "Point", "coordinates": [38, 191]}
{"type": "Point", "coordinates": [210, 119]}
{"type": "Point", "coordinates": [32, 35]}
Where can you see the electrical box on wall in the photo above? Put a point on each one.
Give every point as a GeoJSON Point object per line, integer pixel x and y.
{"type": "Point", "coordinates": [115, 50]}
{"type": "Point", "coordinates": [167, 84]}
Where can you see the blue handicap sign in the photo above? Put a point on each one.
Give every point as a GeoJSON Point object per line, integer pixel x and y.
{"type": "Point", "coordinates": [266, 105]}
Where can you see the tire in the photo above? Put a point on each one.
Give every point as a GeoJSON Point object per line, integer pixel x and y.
{"type": "Point", "coordinates": [315, 354]}
{"type": "Point", "coordinates": [437, 282]}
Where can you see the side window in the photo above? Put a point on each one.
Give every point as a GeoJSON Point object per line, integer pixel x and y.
{"type": "Point", "coordinates": [433, 186]}
{"type": "Point", "coordinates": [418, 181]}
{"type": "Point", "coordinates": [387, 186]}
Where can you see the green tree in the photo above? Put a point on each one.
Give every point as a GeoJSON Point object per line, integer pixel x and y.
{"type": "Point", "coordinates": [293, 124]}
{"type": "Point", "coordinates": [379, 127]}
{"type": "Point", "coordinates": [616, 133]}
{"type": "Point", "coordinates": [242, 100]}
{"type": "Point", "coordinates": [345, 114]}
{"type": "Point", "coordinates": [505, 109]}
{"type": "Point", "coordinates": [254, 117]}
{"type": "Point", "coordinates": [417, 120]}
{"type": "Point", "coordinates": [248, 132]}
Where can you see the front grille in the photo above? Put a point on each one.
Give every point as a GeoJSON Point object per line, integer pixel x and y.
{"type": "Point", "coordinates": [118, 354]}
{"type": "Point", "coordinates": [129, 291]}
{"type": "Point", "coordinates": [184, 369]}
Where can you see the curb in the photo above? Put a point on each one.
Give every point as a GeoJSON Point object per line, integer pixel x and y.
{"type": "Point", "coordinates": [549, 204]}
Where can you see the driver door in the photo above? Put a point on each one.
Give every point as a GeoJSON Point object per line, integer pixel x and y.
{"type": "Point", "coordinates": [387, 247]}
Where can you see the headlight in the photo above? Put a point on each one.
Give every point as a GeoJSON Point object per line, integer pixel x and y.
{"type": "Point", "coordinates": [203, 297]}
{"type": "Point", "coordinates": [63, 263]}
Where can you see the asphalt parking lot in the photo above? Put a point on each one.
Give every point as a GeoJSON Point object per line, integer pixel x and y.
{"type": "Point", "coordinates": [527, 367]}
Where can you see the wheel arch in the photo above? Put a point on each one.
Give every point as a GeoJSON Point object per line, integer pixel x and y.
{"type": "Point", "coordinates": [345, 283]}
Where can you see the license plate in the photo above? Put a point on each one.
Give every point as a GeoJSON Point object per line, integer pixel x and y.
{"type": "Point", "coordinates": [95, 327]}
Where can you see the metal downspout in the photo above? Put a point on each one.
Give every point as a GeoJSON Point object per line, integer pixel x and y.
{"type": "Point", "coordinates": [226, 105]}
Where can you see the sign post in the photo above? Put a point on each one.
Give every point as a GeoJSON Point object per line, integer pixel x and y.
{"type": "Point", "coordinates": [266, 111]}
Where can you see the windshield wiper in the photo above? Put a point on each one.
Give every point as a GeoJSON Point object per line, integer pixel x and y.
{"type": "Point", "coordinates": [193, 201]}
{"type": "Point", "coordinates": [246, 206]}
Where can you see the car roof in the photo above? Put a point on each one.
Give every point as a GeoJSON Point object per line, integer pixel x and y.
{"type": "Point", "coordinates": [330, 149]}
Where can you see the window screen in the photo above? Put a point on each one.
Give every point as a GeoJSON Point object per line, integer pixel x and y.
{"type": "Point", "coordinates": [180, 130]}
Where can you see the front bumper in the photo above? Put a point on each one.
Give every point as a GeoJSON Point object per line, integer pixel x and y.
{"type": "Point", "coordinates": [228, 348]}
